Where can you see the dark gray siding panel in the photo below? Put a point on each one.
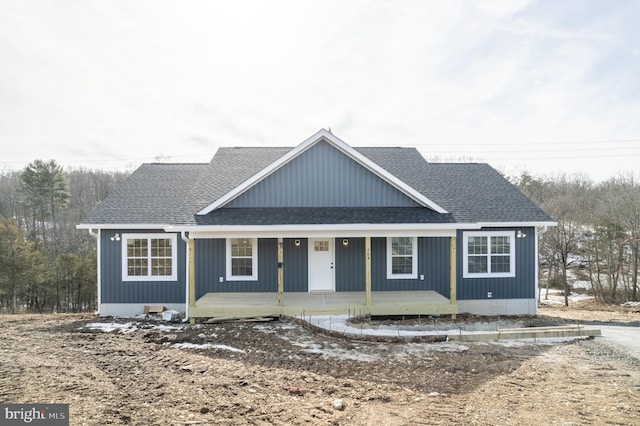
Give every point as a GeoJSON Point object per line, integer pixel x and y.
{"type": "Point", "coordinates": [211, 265]}
{"type": "Point", "coordinates": [433, 263]}
{"type": "Point", "coordinates": [350, 266]}
{"type": "Point", "coordinates": [322, 177]}
{"type": "Point", "coordinates": [296, 261]}
{"type": "Point", "coordinates": [518, 287]}
{"type": "Point", "coordinates": [115, 290]}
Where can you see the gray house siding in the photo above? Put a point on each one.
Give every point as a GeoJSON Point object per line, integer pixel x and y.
{"type": "Point", "coordinates": [210, 262]}
{"type": "Point", "coordinates": [350, 268]}
{"type": "Point", "coordinates": [296, 261]}
{"type": "Point", "coordinates": [322, 177]}
{"type": "Point", "coordinates": [518, 287]}
{"type": "Point", "coordinates": [114, 290]}
{"type": "Point", "coordinates": [433, 263]}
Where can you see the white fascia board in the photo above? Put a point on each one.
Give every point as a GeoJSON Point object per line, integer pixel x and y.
{"type": "Point", "coordinates": [123, 226]}
{"type": "Point", "coordinates": [515, 224]}
{"type": "Point", "coordinates": [342, 147]}
{"type": "Point", "coordinates": [310, 231]}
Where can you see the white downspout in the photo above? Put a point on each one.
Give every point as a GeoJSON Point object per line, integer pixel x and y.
{"type": "Point", "coordinates": [97, 237]}
{"type": "Point", "coordinates": [186, 281]}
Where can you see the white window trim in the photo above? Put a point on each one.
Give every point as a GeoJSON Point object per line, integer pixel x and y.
{"type": "Point", "coordinates": [414, 262]}
{"type": "Point", "coordinates": [489, 234]}
{"type": "Point", "coordinates": [254, 262]}
{"type": "Point", "coordinates": [149, 277]}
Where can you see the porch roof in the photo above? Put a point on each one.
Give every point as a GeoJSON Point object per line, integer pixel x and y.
{"type": "Point", "coordinates": [323, 216]}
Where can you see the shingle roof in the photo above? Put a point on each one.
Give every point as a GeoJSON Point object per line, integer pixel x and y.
{"type": "Point", "coordinates": [153, 194]}
{"type": "Point", "coordinates": [316, 216]}
{"type": "Point", "coordinates": [174, 193]}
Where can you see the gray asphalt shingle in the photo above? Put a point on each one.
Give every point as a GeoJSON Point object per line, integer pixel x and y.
{"type": "Point", "coordinates": [174, 193]}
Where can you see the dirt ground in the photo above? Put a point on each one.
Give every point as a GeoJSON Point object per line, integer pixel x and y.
{"type": "Point", "coordinates": [279, 373]}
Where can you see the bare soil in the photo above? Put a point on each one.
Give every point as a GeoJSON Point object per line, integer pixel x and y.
{"type": "Point", "coordinates": [280, 373]}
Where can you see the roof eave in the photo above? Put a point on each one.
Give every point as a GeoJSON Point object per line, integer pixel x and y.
{"type": "Point", "coordinates": [123, 226]}
{"type": "Point", "coordinates": [513, 224]}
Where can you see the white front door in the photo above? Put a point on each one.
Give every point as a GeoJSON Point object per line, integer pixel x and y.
{"type": "Point", "coordinates": [321, 264]}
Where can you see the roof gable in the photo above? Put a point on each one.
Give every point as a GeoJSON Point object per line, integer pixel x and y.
{"type": "Point", "coordinates": [320, 137]}
{"type": "Point", "coordinates": [322, 177]}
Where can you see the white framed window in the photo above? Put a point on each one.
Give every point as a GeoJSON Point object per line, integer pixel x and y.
{"type": "Point", "coordinates": [149, 257]}
{"type": "Point", "coordinates": [402, 257]}
{"type": "Point", "coordinates": [242, 259]}
{"type": "Point", "coordinates": [489, 254]}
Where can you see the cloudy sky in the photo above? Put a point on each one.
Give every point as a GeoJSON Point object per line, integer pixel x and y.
{"type": "Point", "coordinates": [543, 86]}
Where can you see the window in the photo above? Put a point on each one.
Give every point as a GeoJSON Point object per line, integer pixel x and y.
{"type": "Point", "coordinates": [321, 246]}
{"type": "Point", "coordinates": [149, 257]}
{"type": "Point", "coordinates": [242, 259]}
{"type": "Point", "coordinates": [402, 257]}
{"type": "Point", "coordinates": [489, 254]}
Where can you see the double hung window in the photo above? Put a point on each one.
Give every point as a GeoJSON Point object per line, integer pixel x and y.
{"type": "Point", "coordinates": [489, 254]}
{"type": "Point", "coordinates": [242, 259]}
{"type": "Point", "coordinates": [149, 257]}
{"type": "Point", "coordinates": [402, 257]}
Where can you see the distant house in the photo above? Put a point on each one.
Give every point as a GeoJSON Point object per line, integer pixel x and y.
{"type": "Point", "coordinates": [322, 228]}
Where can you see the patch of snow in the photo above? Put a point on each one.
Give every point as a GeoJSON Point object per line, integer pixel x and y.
{"type": "Point", "coordinates": [108, 327]}
{"type": "Point", "coordinates": [166, 328]}
{"type": "Point", "coordinates": [556, 297]}
{"type": "Point", "coordinates": [343, 354]}
{"type": "Point", "coordinates": [585, 285]}
{"type": "Point", "coordinates": [129, 327]}
{"type": "Point", "coordinates": [206, 346]}
{"type": "Point", "coordinates": [267, 329]}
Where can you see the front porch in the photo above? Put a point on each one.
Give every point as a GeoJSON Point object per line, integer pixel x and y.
{"type": "Point", "coordinates": [213, 305]}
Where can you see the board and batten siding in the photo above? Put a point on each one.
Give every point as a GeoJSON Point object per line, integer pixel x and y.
{"type": "Point", "coordinates": [322, 177]}
{"type": "Point", "coordinates": [350, 265]}
{"type": "Point", "coordinates": [522, 286]}
{"type": "Point", "coordinates": [433, 263]}
{"type": "Point", "coordinates": [115, 290]}
{"type": "Point", "coordinates": [210, 264]}
{"type": "Point", "coordinates": [295, 264]}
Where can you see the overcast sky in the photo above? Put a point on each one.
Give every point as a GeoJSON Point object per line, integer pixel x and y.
{"type": "Point", "coordinates": [543, 86]}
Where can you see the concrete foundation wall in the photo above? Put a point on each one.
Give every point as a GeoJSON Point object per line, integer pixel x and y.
{"type": "Point", "coordinates": [498, 307]}
{"type": "Point", "coordinates": [127, 310]}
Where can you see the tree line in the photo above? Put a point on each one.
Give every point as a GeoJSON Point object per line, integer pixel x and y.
{"type": "Point", "coordinates": [597, 239]}
{"type": "Point", "coordinates": [46, 264]}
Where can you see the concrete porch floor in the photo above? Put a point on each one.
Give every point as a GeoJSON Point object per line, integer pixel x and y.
{"type": "Point", "coordinates": [213, 305]}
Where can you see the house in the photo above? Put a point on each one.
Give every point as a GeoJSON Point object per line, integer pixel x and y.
{"type": "Point", "coordinates": [321, 228]}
